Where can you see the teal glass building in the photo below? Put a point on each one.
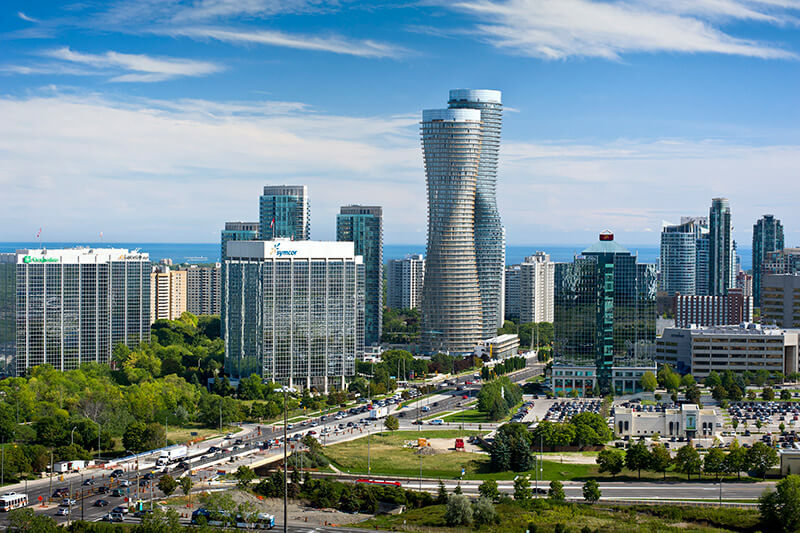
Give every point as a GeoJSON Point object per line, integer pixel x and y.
{"type": "Point", "coordinates": [767, 237]}
{"type": "Point", "coordinates": [363, 226]}
{"type": "Point", "coordinates": [605, 310]}
{"type": "Point", "coordinates": [285, 213]}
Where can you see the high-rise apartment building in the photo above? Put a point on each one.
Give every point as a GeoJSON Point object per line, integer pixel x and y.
{"type": "Point", "coordinates": [203, 289]}
{"type": "Point", "coordinates": [605, 311]}
{"type": "Point", "coordinates": [363, 226]}
{"type": "Point", "coordinates": [767, 237]}
{"type": "Point", "coordinates": [780, 300]}
{"type": "Point", "coordinates": [721, 275]}
{"type": "Point", "coordinates": [452, 316]}
{"type": "Point", "coordinates": [8, 312]}
{"type": "Point", "coordinates": [733, 308]}
{"type": "Point", "coordinates": [512, 292]}
{"type": "Point", "coordinates": [679, 257]}
{"type": "Point", "coordinates": [293, 311]}
{"type": "Point", "coordinates": [786, 261]}
{"type": "Point", "coordinates": [404, 280]}
{"type": "Point", "coordinates": [74, 305]}
{"type": "Point", "coordinates": [167, 293]}
{"type": "Point", "coordinates": [285, 212]}
{"type": "Point", "coordinates": [536, 288]}
{"type": "Point", "coordinates": [490, 245]}
{"type": "Point", "coordinates": [234, 231]}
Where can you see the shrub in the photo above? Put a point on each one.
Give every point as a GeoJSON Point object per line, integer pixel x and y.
{"type": "Point", "coordinates": [484, 512]}
{"type": "Point", "coordinates": [458, 511]}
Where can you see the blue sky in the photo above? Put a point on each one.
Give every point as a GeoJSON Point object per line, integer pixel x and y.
{"type": "Point", "coordinates": [156, 121]}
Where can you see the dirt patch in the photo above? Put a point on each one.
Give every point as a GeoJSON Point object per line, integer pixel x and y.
{"type": "Point", "coordinates": [449, 445]}
{"type": "Point", "coordinates": [571, 458]}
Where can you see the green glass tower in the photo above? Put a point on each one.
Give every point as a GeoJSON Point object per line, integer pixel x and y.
{"type": "Point", "coordinates": [767, 237]}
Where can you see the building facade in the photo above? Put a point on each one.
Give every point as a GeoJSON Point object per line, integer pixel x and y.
{"type": "Point", "coordinates": [674, 348]}
{"type": "Point", "coordinates": [204, 289]}
{"type": "Point", "coordinates": [605, 310]}
{"type": "Point", "coordinates": [285, 213]}
{"type": "Point", "coordinates": [234, 231]}
{"type": "Point", "coordinates": [567, 378]}
{"type": "Point", "coordinates": [536, 288]}
{"type": "Point", "coordinates": [680, 257]}
{"type": "Point", "coordinates": [8, 312]}
{"type": "Point", "coordinates": [363, 226]}
{"type": "Point", "coordinates": [167, 293]}
{"type": "Point", "coordinates": [490, 246]}
{"type": "Point", "coordinates": [786, 261]}
{"type": "Point", "coordinates": [780, 302]}
{"type": "Point", "coordinates": [689, 421]}
{"type": "Point", "coordinates": [74, 306]}
{"type": "Point", "coordinates": [733, 308]}
{"type": "Point", "coordinates": [767, 237]}
{"type": "Point", "coordinates": [512, 292]}
{"type": "Point", "coordinates": [452, 317]}
{"type": "Point", "coordinates": [404, 279]}
{"type": "Point", "coordinates": [293, 311]}
{"type": "Point", "coordinates": [721, 274]}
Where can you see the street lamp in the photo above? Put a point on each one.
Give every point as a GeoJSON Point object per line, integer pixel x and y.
{"type": "Point", "coordinates": [72, 436]}
{"type": "Point", "coordinates": [285, 391]}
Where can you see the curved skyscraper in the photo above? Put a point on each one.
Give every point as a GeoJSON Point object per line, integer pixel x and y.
{"type": "Point", "coordinates": [490, 246]}
{"type": "Point", "coordinates": [451, 300]}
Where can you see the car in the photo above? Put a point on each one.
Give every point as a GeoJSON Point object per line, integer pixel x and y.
{"type": "Point", "coordinates": [101, 503]}
{"type": "Point", "coordinates": [142, 513]}
{"type": "Point", "coordinates": [117, 493]}
{"type": "Point", "coordinates": [116, 517]}
{"type": "Point", "coordinates": [124, 483]}
{"type": "Point", "coordinates": [67, 502]}
{"type": "Point", "coordinates": [149, 475]}
{"type": "Point", "coordinates": [102, 489]}
{"type": "Point", "coordinates": [62, 511]}
{"type": "Point", "coordinates": [60, 493]}
{"type": "Point", "coordinates": [87, 483]}
{"type": "Point", "coordinates": [144, 482]}
{"type": "Point", "coordinates": [117, 473]}
{"type": "Point", "coordinates": [121, 509]}
{"type": "Point", "coordinates": [464, 397]}
{"type": "Point", "coordinates": [213, 449]}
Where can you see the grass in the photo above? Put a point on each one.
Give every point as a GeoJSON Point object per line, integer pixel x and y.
{"type": "Point", "coordinates": [184, 434]}
{"type": "Point", "coordinates": [468, 416]}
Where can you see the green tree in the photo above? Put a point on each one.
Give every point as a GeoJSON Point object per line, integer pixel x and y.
{"type": "Point", "coordinates": [441, 497]}
{"type": "Point", "coordinates": [688, 461]}
{"type": "Point", "coordinates": [735, 393]}
{"type": "Point", "coordinates": [591, 491]}
{"type": "Point", "coordinates": [660, 459]}
{"type": "Point", "coordinates": [556, 491]}
{"type": "Point", "coordinates": [522, 488]}
{"type": "Point", "coordinates": [458, 490]}
{"type": "Point", "coordinates": [611, 460]}
{"type": "Point", "coordinates": [244, 476]}
{"type": "Point", "coordinates": [186, 487]}
{"type": "Point", "coordinates": [761, 458]}
{"type": "Point", "coordinates": [719, 393]}
{"type": "Point", "coordinates": [25, 520]}
{"type": "Point", "coordinates": [458, 511]}
{"type": "Point", "coordinates": [780, 508]}
{"type": "Point", "coordinates": [768, 394]}
{"type": "Point", "coordinates": [736, 460]}
{"type": "Point", "coordinates": [484, 512]}
{"type": "Point", "coordinates": [135, 436]}
{"type": "Point", "coordinates": [648, 382]}
{"type": "Point", "coordinates": [488, 489]}
{"type": "Point", "coordinates": [714, 462]}
{"type": "Point", "coordinates": [688, 381]}
{"type": "Point", "coordinates": [712, 380]}
{"type": "Point", "coordinates": [786, 395]}
{"type": "Point", "coordinates": [391, 423]}
{"type": "Point", "coordinates": [693, 394]}
{"type": "Point", "coordinates": [637, 458]}
{"type": "Point", "coordinates": [167, 484]}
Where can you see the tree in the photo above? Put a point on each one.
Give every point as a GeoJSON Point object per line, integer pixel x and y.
{"type": "Point", "coordinates": [25, 520]}
{"type": "Point", "coordinates": [484, 512]}
{"type": "Point", "coordinates": [441, 498]}
{"type": "Point", "coordinates": [688, 381]}
{"type": "Point", "coordinates": [761, 458]}
{"type": "Point", "coordinates": [735, 423]}
{"type": "Point", "coordinates": [736, 460]}
{"type": "Point", "coordinates": [458, 512]}
{"type": "Point", "coordinates": [244, 476]}
{"type": "Point", "coordinates": [488, 489]}
{"type": "Point", "coordinates": [637, 458]}
{"type": "Point", "coordinates": [611, 460]}
{"type": "Point", "coordinates": [167, 485]}
{"type": "Point", "coordinates": [768, 394]}
{"type": "Point", "coordinates": [782, 428]}
{"type": "Point", "coordinates": [786, 395]}
{"type": "Point", "coordinates": [458, 490]}
{"type": "Point", "coordinates": [591, 491]}
{"type": "Point", "coordinates": [522, 488]}
{"type": "Point", "coordinates": [714, 462]}
{"type": "Point", "coordinates": [186, 487]}
{"type": "Point", "coordinates": [693, 394]}
{"type": "Point", "coordinates": [735, 393]}
{"type": "Point", "coordinates": [648, 382]}
{"type": "Point", "coordinates": [780, 508]}
{"type": "Point", "coordinates": [556, 491]}
{"type": "Point", "coordinates": [134, 437]}
{"type": "Point", "coordinates": [688, 461]}
{"type": "Point", "coordinates": [712, 380]}
{"type": "Point", "coordinates": [660, 459]}
{"type": "Point", "coordinates": [719, 393]}
{"type": "Point", "coordinates": [391, 423]}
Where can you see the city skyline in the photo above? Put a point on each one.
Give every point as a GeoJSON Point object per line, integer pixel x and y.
{"type": "Point", "coordinates": [175, 113]}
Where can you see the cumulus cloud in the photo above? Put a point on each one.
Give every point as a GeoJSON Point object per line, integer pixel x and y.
{"type": "Point", "coordinates": [609, 29]}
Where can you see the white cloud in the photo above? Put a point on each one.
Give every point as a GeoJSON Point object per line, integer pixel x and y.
{"type": "Point", "coordinates": [25, 17]}
{"type": "Point", "coordinates": [334, 44]}
{"type": "Point", "coordinates": [143, 68]}
{"type": "Point", "coordinates": [608, 29]}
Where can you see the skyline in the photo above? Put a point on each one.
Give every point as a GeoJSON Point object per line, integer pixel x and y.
{"type": "Point", "coordinates": [144, 119]}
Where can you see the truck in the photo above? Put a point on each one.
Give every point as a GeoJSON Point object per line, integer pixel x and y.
{"type": "Point", "coordinates": [171, 455]}
{"type": "Point", "coordinates": [379, 412]}
{"type": "Point", "coordinates": [68, 466]}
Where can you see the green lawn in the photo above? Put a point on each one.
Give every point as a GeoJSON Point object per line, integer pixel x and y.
{"type": "Point", "coordinates": [468, 416]}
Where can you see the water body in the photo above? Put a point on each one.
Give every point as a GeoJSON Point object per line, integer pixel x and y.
{"type": "Point", "coordinates": [209, 252]}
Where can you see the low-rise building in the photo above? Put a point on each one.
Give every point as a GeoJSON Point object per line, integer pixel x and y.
{"type": "Point", "coordinates": [690, 421]}
{"type": "Point", "coordinates": [674, 348]}
{"type": "Point", "coordinates": [583, 378]}
{"type": "Point", "coordinates": [732, 308]}
{"type": "Point", "coordinates": [499, 347]}
{"type": "Point", "coordinates": [780, 300]}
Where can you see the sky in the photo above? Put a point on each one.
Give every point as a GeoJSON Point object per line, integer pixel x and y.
{"type": "Point", "coordinates": [159, 120]}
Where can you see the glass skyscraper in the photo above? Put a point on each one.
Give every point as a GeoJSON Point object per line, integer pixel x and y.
{"type": "Point", "coordinates": [767, 237]}
{"type": "Point", "coordinates": [721, 275]}
{"type": "Point", "coordinates": [293, 311]}
{"type": "Point", "coordinates": [285, 213]}
{"type": "Point", "coordinates": [452, 318]}
{"type": "Point", "coordinates": [363, 226]}
{"type": "Point", "coordinates": [8, 312]}
{"type": "Point", "coordinates": [490, 246]}
{"type": "Point", "coordinates": [605, 310]}
{"type": "Point", "coordinates": [234, 231]}
{"type": "Point", "coordinates": [680, 258]}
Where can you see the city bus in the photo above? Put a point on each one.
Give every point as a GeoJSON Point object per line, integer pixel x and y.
{"type": "Point", "coordinates": [12, 500]}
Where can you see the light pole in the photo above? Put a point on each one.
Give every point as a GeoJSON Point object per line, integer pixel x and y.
{"type": "Point", "coordinates": [3, 464]}
{"type": "Point", "coordinates": [72, 436]}
{"type": "Point", "coordinates": [285, 390]}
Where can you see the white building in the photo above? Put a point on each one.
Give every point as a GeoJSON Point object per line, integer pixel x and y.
{"type": "Point", "coordinates": [689, 422]}
{"type": "Point", "coordinates": [404, 282]}
{"type": "Point", "coordinates": [203, 289]}
{"type": "Point", "coordinates": [499, 347]}
{"type": "Point", "coordinates": [536, 286]}
{"type": "Point", "coordinates": [293, 311]}
{"type": "Point", "coordinates": [75, 305]}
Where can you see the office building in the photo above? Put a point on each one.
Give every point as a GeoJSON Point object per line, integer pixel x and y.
{"type": "Point", "coordinates": [674, 348]}
{"type": "Point", "coordinates": [605, 310]}
{"type": "Point", "coordinates": [499, 347]}
{"type": "Point", "coordinates": [8, 312]}
{"type": "Point", "coordinates": [75, 305]}
{"type": "Point", "coordinates": [167, 293]}
{"type": "Point", "coordinates": [688, 421]}
{"type": "Point", "coordinates": [786, 261]}
{"type": "Point", "coordinates": [536, 288]}
{"type": "Point", "coordinates": [203, 289]}
{"type": "Point", "coordinates": [767, 237]}
{"type": "Point", "coordinates": [363, 226]}
{"type": "Point", "coordinates": [237, 231]}
{"type": "Point", "coordinates": [293, 311]}
{"type": "Point", "coordinates": [490, 249]}
{"type": "Point", "coordinates": [512, 292]}
{"type": "Point", "coordinates": [733, 308]}
{"type": "Point", "coordinates": [404, 280]}
{"type": "Point", "coordinates": [780, 300]}
{"type": "Point", "coordinates": [452, 317]}
{"type": "Point", "coordinates": [583, 378]}
{"type": "Point", "coordinates": [721, 259]}
{"type": "Point", "coordinates": [285, 212]}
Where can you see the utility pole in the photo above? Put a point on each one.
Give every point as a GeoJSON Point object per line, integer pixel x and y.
{"type": "Point", "coordinates": [285, 463]}
{"type": "Point", "coordinates": [50, 489]}
{"type": "Point", "coordinates": [82, 495]}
